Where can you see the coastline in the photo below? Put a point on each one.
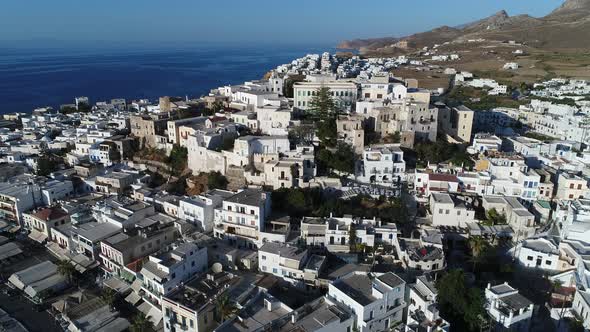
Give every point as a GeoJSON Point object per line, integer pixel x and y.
{"type": "Point", "coordinates": [38, 78]}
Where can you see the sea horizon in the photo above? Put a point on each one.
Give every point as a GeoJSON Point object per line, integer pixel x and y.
{"type": "Point", "coordinates": [52, 76]}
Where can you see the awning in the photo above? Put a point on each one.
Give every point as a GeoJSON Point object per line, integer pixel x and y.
{"type": "Point", "coordinates": [145, 308]}
{"type": "Point", "coordinates": [37, 236]}
{"type": "Point", "coordinates": [133, 298]}
{"type": "Point", "coordinates": [117, 285]}
{"type": "Point", "coordinates": [136, 285]}
{"type": "Point", "coordinates": [57, 251]}
{"type": "Point", "coordinates": [9, 250]}
{"type": "Point", "coordinates": [155, 316]}
{"type": "Point", "coordinates": [83, 263]}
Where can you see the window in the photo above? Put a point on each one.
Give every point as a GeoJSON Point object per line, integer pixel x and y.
{"type": "Point", "coordinates": [263, 257]}
{"type": "Point", "coordinates": [547, 262]}
{"type": "Point", "coordinates": [529, 258]}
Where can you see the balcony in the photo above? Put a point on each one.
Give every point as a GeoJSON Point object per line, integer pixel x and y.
{"type": "Point", "coordinates": [236, 232]}
{"type": "Point", "coordinates": [9, 209]}
{"type": "Point", "coordinates": [236, 224]}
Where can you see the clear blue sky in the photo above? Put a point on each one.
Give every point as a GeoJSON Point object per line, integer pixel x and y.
{"type": "Point", "coordinates": [227, 21]}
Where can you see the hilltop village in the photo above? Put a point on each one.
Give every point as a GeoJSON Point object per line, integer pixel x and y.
{"type": "Point", "coordinates": [330, 195]}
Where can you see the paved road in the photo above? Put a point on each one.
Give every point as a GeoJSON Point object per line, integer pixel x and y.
{"type": "Point", "coordinates": [22, 310]}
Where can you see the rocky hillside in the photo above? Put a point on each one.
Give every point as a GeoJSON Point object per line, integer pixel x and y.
{"type": "Point", "coordinates": [566, 27]}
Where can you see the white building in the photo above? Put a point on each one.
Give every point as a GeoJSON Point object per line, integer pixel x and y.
{"type": "Point", "coordinates": [242, 217]}
{"type": "Point", "coordinates": [290, 263]}
{"type": "Point", "coordinates": [249, 145]}
{"type": "Point", "coordinates": [511, 66]}
{"type": "Point", "coordinates": [382, 164]}
{"type": "Point", "coordinates": [581, 306]}
{"type": "Point", "coordinates": [508, 309]}
{"type": "Point", "coordinates": [344, 93]}
{"type": "Point", "coordinates": [423, 313]}
{"type": "Point", "coordinates": [377, 300]}
{"type": "Point", "coordinates": [164, 272]}
{"type": "Point", "coordinates": [538, 253]}
{"type": "Point", "coordinates": [200, 209]}
{"type": "Point", "coordinates": [334, 233]}
{"type": "Point", "coordinates": [571, 186]}
{"type": "Point", "coordinates": [518, 217]}
{"type": "Point", "coordinates": [484, 143]}
{"type": "Point", "coordinates": [450, 210]}
{"type": "Point", "coordinates": [573, 218]}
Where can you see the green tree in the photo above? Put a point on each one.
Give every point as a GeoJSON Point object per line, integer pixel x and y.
{"type": "Point", "coordinates": [392, 138]}
{"type": "Point", "coordinates": [46, 165]}
{"type": "Point", "coordinates": [225, 308]}
{"type": "Point", "coordinates": [67, 270]}
{"type": "Point", "coordinates": [352, 238]}
{"type": "Point", "coordinates": [217, 106]}
{"type": "Point", "coordinates": [228, 144]}
{"type": "Point", "coordinates": [478, 246]}
{"type": "Point", "coordinates": [322, 108]}
{"type": "Point", "coordinates": [460, 304]}
{"type": "Point", "coordinates": [322, 105]}
{"type": "Point", "coordinates": [84, 107]}
{"type": "Point", "coordinates": [289, 82]}
{"type": "Point", "coordinates": [109, 296]}
{"type": "Point", "coordinates": [343, 159]}
{"type": "Point", "coordinates": [215, 180]}
{"type": "Point", "coordinates": [327, 132]}
{"type": "Point", "coordinates": [302, 134]}
{"type": "Point", "coordinates": [178, 159]}
{"type": "Point", "coordinates": [441, 151]}
{"type": "Point", "coordinates": [296, 199]}
{"type": "Point", "coordinates": [140, 323]}
{"type": "Point", "coordinates": [496, 218]}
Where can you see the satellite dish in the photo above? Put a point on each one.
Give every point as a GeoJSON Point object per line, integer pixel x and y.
{"type": "Point", "coordinates": [217, 268]}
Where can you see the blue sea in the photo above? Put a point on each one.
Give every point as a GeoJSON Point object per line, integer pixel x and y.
{"type": "Point", "coordinates": [31, 77]}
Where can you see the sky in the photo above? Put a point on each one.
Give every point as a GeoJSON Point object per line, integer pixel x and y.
{"type": "Point", "coordinates": [239, 21]}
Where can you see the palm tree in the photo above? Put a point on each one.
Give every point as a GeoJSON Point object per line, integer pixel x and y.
{"type": "Point", "coordinates": [478, 246]}
{"type": "Point", "coordinates": [140, 323]}
{"type": "Point", "coordinates": [225, 307]}
{"type": "Point", "coordinates": [555, 287]}
{"type": "Point", "coordinates": [66, 269]}
{"type": "Point", "coordinates": [109, 296]}
{"type": "Point", "coordinates": [352, 238]}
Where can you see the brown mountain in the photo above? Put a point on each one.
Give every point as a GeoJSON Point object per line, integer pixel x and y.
{"type": "Point", "coordinates": [566, 27]}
